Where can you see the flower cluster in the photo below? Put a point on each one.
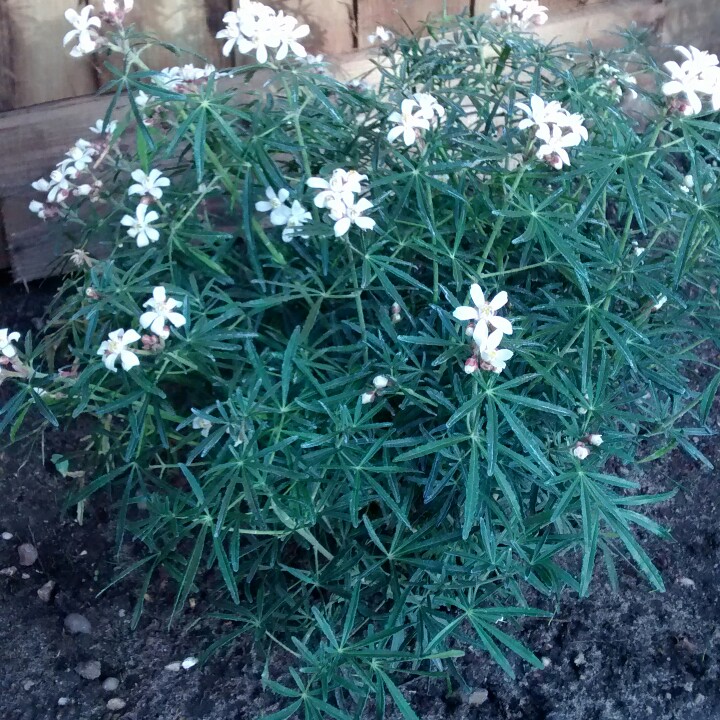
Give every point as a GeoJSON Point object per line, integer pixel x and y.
{"type": "Point", "coordinates": [482, 315]}
{"type": "Point", "coordinates": [380, 382]}
{"type": "Point", "coordinates": [338, 196]}
{"type": "Point", "coordinates": [698, 74]}
{"type": "Point", "coordinates": [293, 217]}
{"type": "Point", "coordinates": [555, 127]}
{"type": "Point", "coordinates": [73, 176]}
{"type": "Point", "coordinates": [417, 113]}
{"type": "Point", "coordinates": [184, 79]}
{"type": "Point", "coordinates": [519, 13]}
{"type": "Point", "coordinates": [255, 27]}
{"type": "Point", "coordinates": [161, 311]}
{"type": "Point", "coordinates": [581, 451]}
{"type": "Point", "coordinates": [150, 187]}
{"type": "Point", "coordinates": [615, 81]}
{"type": "Point", "coordinates": [86, 26]}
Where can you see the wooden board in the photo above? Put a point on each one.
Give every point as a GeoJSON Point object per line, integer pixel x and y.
{"type": "Point", "coordinates": [36, 67]}
{"type": "Point", "coordinates": [332, 23]}
{"type": "Point", "coordinates": [396, 15]}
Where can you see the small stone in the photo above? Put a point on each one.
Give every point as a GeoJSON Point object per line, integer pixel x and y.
{"type": "Point", "coordinates": [580, 659]}
{"type": "Point", "coordinates": [77, 624]}
{"type": "Point", "coordinates": [89, 670]}
{"type": "Point", "coordinates": [64, 701]}
{"type": "Point", "coordinates": [7, 536]}
{"type": "Point", "coordinates": [8, 571]}
{"type": "Point", "coordinates": [28, 684]}
{"type": "Point", "coordinates": [45, 592]}
{"type": "Point", "coordinates": [546, 661]}
{"type": "Point", "coordinates": [116, 704]}
{"type": "Point", "coordinates": [478, 697]}
{"type": "Point", "coordinates": [687, 582]}
{"type": "Point", "coordinates": [121, 613]}
{"type": "Point", "coordinates": [25, 576]}
{"type": "Point", "coordinates": [28, 554]}
{"type": "Point", "coordinates": [173, 667]}
{"type": "Point", "coordinates": [111, 684]}
{"type": "Point", "coordinates": [189, 662]}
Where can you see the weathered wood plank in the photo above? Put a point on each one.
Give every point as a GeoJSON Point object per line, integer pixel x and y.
{"type": "Point", "coordinates": [396, 15]}
{"type": "Point", "coordinates": [38, 68]}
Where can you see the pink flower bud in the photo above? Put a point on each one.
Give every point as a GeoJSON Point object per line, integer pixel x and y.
{"type": "Point", "coordinates": [471, 365]}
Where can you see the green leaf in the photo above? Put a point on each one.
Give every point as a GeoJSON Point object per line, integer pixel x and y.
{"type": "Point", "coordinates": [472, 493]}
{"type": "Point", "coordinates": [188, 579]}
{"type": "Point", "coordinates": [398, 698]}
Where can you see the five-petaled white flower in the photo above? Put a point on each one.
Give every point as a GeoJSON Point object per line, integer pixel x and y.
{"type": "Point", "coordinates": [202, 424]}
{"type": "Point", "coordinates": [409, 122]}
{"type": "Point", "coordinates": [140, 226]}
{"type": "Point", "coordinates": [275, 205]}
{"type": "Point", "coordinates": [539, 112]}
{"type": "Point", "coordinates": [160, 313]}
{"type": "Point", "coordinates": [381, 34]}
{"type": "Point", "coordinates": [85, 27]}
{"type": "Point", "coordinates": [118, 8]}
{"type": "Point", "coordinates": [148, 184]}
{"type": "Point", "coordinates": [6, 343]}
{"type": "Point", "coordinates": [554, 144]}
{"type": "Point", "coordinates": [484, 312]}
{"type": "Point", "coordinates": [116, 346]}
{"type": "Point", "coordinates": [99, 127]}
{"type": "Point", "coordinates": [352, 214]}
{"type": "Point", "coordinates": [296, 219]}
{"type": "Point", "coordinates": [339, 190]}
{"type": "Point", "coordinates": [488, 345]}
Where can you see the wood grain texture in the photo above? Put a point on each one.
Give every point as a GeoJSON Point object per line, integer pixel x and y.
{"type": "Point", "coordinates": [397, 15]}
{"type": "Point", "coordinates": [38, 67]}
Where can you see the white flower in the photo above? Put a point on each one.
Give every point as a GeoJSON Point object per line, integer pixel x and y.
{"type": "Point", "coordinates": [554, 143]}
{"type": "Point", "coordinates": [408, 122]}
{"type": "Point", "coordinates": [84, 29]}
{"type": "Point", "coordinates": [660, 302]}
{"type": "Point", "coordinates": [595, 439]}
{"type": "Point", "coordinates": [6, 343]}
{"type": "Point", "coordinates": [80, 155]}
{"type": "Point", "coordinates": [381, 34]}
{"type": "Point", "coordinates": [150, 184]}
{"type": "Point", "coordinates": [60, 185]}
{"type": "Point", "coordinates": [367, 397]}
{"type": "Point", "coordinates": [140, 226]}
{"type": "Point", "coordinates": [116, 346]}
{"type": "Point", "coordinates": [339, 190]}
{"type": "Point", "coordinates": [112, 7]}
{"type": "Point", "coordinates": [202, 424]}
{"type": "Point", "coordinates": [160, 313]}
{"type": "Point", "coordinates": [539, 112]}
{"type": "Point", "coordinates": [380, 382]}
{"type": "Point", "coordinates": [489, 347]}
{"type": "Point", "coordinates": [142, 99]}
{"type": "Point", "coordinates": [290, 32]}
{"type": "Point", "coordinates": [275, 205]}
{"type": "Point", "coordinates": [351, 214]}
{"type": "Point", "coordinates": [99, 128]}
{"type": "Point", "coordinates": [429, 106]}
{"type": "Point", "coordinates": [484, 312]}
{"type": "Point", "coordinates": [697, 74]}
{"type": "Point", "coordinates": [39, 209]}
{"type": "Point", "coordinates": [231, 34]}
{"type": "Point", "coordinates": [520, 13]}
{"type": "Point", "coordinates": [297, 218]}
{"type": "Point", "coordinates": [580, 451]}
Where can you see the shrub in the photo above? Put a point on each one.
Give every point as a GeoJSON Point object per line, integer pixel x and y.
{"type": "Point", "coordinates": [356, 358]}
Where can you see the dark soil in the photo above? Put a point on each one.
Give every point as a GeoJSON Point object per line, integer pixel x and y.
{"type": "Point", "coordinates": [626, 656]}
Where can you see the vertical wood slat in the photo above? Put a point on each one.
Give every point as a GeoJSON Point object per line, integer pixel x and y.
{"type": "Point", "coordinates": [394, 14]}
{"type": "Point", "coordinates": [36, 67]}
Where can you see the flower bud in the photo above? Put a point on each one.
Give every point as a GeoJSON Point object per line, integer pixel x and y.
{"type": "Point", "coordinates": [367, 397]}
{"type": "Point", "coordinates": [470, 330]}
{"type": "Point", "coordinates": [471, 365]}
{"type": "Point", "coordinates": [595, 439]}
{"type": "Point", "coordinates": [580, 451]}
{"type": "Point", "coordinates": [380, 382]}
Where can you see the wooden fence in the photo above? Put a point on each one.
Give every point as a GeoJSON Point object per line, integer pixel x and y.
{"type": "Point", "coordinates": [47, 98]}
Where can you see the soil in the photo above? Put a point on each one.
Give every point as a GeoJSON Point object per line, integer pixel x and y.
{"type": "Point", "coordinates": [629, 655]}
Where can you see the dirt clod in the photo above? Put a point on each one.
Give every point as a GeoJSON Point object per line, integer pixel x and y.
{"type": "Point", "coordinates": [77, 624]}
{"type": "Point", "coordinates": [89, 670]}
{"type": "Point", "coordinates": [27, 555]}
{"type": "Point", "coordinates": [46, 591]}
